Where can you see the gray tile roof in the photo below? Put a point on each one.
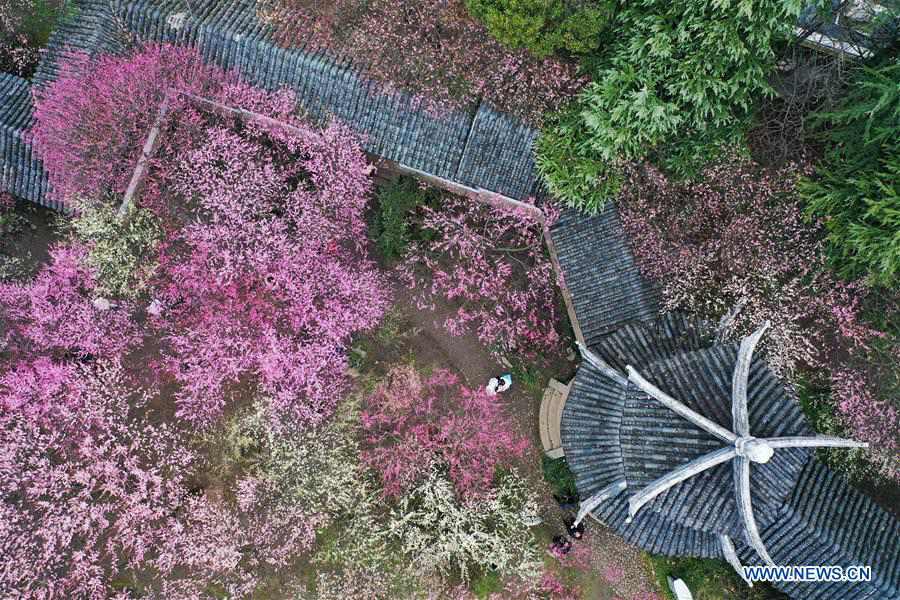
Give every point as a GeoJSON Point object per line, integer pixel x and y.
{"type": "Point", "coordinates": [21, 173]}
{"type": "Point", "coordinates": [806, 514]}
{"type": "Point", "coordinates": [607, 288]}
{"type": "Point", "coordinates": [826, 522]}
{"type": "Point", "coordinates": [484, 149]}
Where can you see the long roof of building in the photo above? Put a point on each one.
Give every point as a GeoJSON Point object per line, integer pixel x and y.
{"type": "Point", "coordinates": [482, 149]}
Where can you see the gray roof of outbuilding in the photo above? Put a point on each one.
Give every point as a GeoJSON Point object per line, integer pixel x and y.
{"type": "Point", "coordinates": [807, 516]}
{"type": "Point", "coordinates": [21, 172]}
{"type": "Point", "coordinates": [599, 270]}
{"type": "Point", "coordinates": [481, 149]}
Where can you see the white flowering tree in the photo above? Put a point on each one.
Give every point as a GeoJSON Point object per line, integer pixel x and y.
{"type": "Point", "coordinates": [443, 537]}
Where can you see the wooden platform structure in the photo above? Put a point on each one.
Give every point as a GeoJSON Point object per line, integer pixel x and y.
{"type": "Point", "coordinates": [552, 405]}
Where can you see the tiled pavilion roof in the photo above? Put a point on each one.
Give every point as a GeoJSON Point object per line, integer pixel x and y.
{"type": "Point", "coordinates": [615, 433]}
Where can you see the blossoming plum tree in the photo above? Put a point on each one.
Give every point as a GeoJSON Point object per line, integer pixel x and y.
{"type": "Point", "coordinates": [412, 421]}
{"type": "Point", "coordinates": [91, 122]}
{"type": "Point", "coordinates": [270, 279]}
{"type": "Point", "coordinates": [491, 264]}
{"type": "Point", "coordinates": [262, 266]}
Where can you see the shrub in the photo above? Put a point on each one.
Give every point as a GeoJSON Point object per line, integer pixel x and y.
{"type": "Point", "coordinates": [412, 421]}
{"type": "Point", "coordinates": [544, 27]}
{"type": "Point", "coordinates": [557, 474]}
{"type": "Point", "coordinates": [855, 190]}
{"type": "Point", "coordinates": [441, 536]}
{"type": "Point", "coordinates": [122, 254]}
{"type": "Point", "coordinates": [707, 578]}
{"type": "Point", "coordinates": [491, 265]}
{"type": "Point", "coordinates": [25, 27]}
{"type": "Point", "coordinates": [678, 78]}
{"type": "Point", "coordinates": [393, 228]}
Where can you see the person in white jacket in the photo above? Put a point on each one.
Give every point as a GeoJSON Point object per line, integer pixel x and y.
{"type": "Point", "coordinates": [499, 384]}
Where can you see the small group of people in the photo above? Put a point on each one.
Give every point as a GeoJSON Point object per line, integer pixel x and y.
{"type": "Point", "coordinates": [561, 543]}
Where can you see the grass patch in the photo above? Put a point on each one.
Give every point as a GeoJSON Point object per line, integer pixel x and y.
{"type": "Point", "coordinates": [708, 579]}
{"type": "Point", "coordinates": [387, 340]}
{"type": "Point", "coordinates": [558, 475]}
{"type": "Point", "coordinates": [530, 377]}
{"type": "Point", "coordinates": [486, 584]}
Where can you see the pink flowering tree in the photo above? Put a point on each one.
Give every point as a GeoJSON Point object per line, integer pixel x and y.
{"type": "Point", "coordinates": [56, 314]}
{"type": "Point", "coordinates": [268, 277]}
{"type": "Point", "coordinates": [491, 264]}
{"type": "Point", "coordinates": [91, 122]}
{"type": "Point", "coordinates": [89, 489]}
{"type": "Point", "coordinates": [412, 421]}
{"type": "Point", "coordinates": [232, 546]}
{"type": "Point", "coordinates": [95, 489]}
{"type": "Point", "coordinates": [262, 268]}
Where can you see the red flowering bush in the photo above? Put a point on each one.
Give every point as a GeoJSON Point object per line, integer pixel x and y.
{"type": "Point", "coordinates": [431, 48]}
{"type": "Point", "coordinates": [492, 265]}
{"type": "Point", "coordinates": [411, 422]}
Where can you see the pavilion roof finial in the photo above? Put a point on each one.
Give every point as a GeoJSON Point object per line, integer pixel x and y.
{"type": "Point", "coordinates": [740, 446]}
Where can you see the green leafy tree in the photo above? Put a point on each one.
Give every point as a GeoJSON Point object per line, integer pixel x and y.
{"type": "Point", "coordinates": [677, 81]}
{"type": "Point", "coordinates": [545, 26]}
{"type": "Point", "coordinates": [856, 191]}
